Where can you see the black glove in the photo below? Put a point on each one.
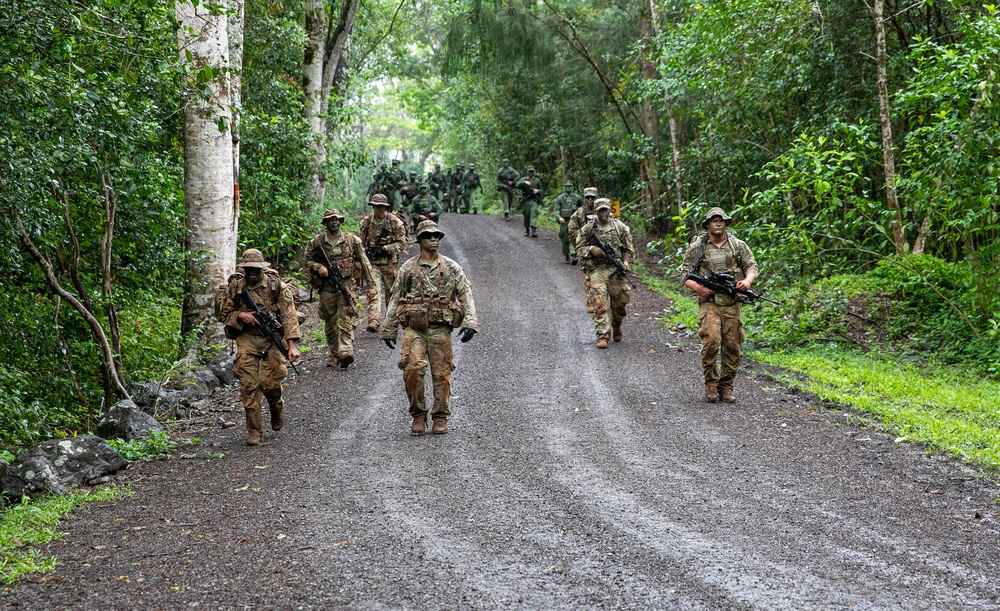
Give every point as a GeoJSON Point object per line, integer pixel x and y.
{"type": "Point", "coordinates": [465, 334]}
{"type": "Point", "coordinates": [389, 342]}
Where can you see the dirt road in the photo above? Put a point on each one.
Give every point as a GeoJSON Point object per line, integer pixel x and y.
{"type": "Point", "coordinates": [572, 479]}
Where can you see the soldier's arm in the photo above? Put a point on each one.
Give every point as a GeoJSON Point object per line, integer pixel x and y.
{"type": "Point", "coordinates": [366, 266]}
{"type": "Point", "coordinates": [397, 237]}
{"type": "Point", "coordinates": [628, 248]}
{"type": "Point", "coordinates": [463, 291]}
{"type": "Point", "coordinates": [390, 326]}
{"type": "Point", "coordinates": [289, 318]}
{"type": "Point", "coordinates": [230, 314]}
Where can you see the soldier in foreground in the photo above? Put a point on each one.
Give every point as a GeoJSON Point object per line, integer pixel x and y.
{"type": "Point", "coordinates": [384, 238]}
{"type": "Point", "coordinates": [608, 286]}
{"type": "Point", "coordinates": [720, 317]}
{"type": "Point", "coordinates": [259, 363]}
{"type": "Point", "coordinates": [583, 215]}
{"type": "Point", "coordinates": [566, 204]}
{"type": "Point", "coordinates": [338, 262]}
{"type": "Point", "coordinates": [506, 176]}
{"type": "Point", "coordinates": [531, 198]}
{"type": "Point", "coordinates": [431, 297]}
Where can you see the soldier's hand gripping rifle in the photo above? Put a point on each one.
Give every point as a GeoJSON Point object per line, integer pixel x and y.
{"type": "Point", "coordinates": [726, 284]}
{"type": "Point", "coordinates": [610, 254]}
{"type": "Point", "coordinates": [270, 327]}
{"type": "Point", "coordinates": [334, 276]}
{"type": "Point", "coordinates": [378, 250]}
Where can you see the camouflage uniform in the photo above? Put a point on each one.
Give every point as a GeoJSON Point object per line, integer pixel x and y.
{"type": "Point", "coordinates": [385, 261]}
{"type": "Point", "coordinates": [425, 208]}
{"type": "Point", "coordinates": [455, 188]}
{"type": "Point", "coordinates": [429, 300]}
{"type": "Point", "coordinates": [437, 181]}
{"type": "Point", "coordinates": [394, 180]}
{"type": "Point", "coordinates": [470, 182]}
{"type": "Point", "coordinates": [409, 191]}
{"type": "Point", "coordinates": [720, 321]}
{"type": "Point", "coordinates": [530, 201]}
{"type": "Point", "coordinates": [608, 293]}
{"type": "Point", "coordinates": [566, 204]}
{"type": "Point", "coordinates": [506, 176]}
{"type": "Point", "coordinates": [582, 216]}
{"type": "Point", "coordinates": [347, 253]}
{"type": "Point", "coordinates": [259, 366]}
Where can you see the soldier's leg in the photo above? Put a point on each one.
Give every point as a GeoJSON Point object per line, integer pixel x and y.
{"type": "Point", "coordinates": [534, 219]}
{"type": "Point", "coordinates": [505, 198]}
{"type": "Point", "coordinates": [732, 338]}
{"type": "Point", "coordinates": [442, 362]}
{"type": "Point", "coordinates": [345, 323]}
{"type": "Point", "coordinates": [599, 292]}
{"type": "Point", "coordinates": [273, 372]}
{"type": "Point", "coordinates": [586, 289]}
{"type": "Point", "coordinates": [246, 368]}
{"type": "Point", "coordinates": [373, 307]}
{"type": "Point", "coordinates": [327, 313]}
{"type": "Point", "coordinates": [710, 331]}
{"type": "Point", "coordinates": [526, 213]}
{"type": "Point", "coordinates": [619, 297]}
{"type": "Point", "coordinates": [564, 238]}
{"type": "Point", "coordinates": [413, 362]}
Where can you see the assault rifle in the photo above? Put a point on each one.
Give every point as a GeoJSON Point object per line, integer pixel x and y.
{"type": "Point", "coordinates": [370, 251]}
{"type": "Point", "coordinates": [726, 284]}
{"type": "Point", "coordinates": [610, 254]}
{"type": "Point", "coordinates": [335, 276]}
{"type": "Point", "coordinates": [529, 192]}
{"type": "Point", "coordinates": [270, 327]}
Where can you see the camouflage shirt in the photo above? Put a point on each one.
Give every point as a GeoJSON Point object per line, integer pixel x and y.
{"type": "Point", "coordinates": [394, 241]}
{"type": "Point", "coordinates": [615, 233]}
{"type": "Point", "coordinates": [567, 203]}
{"type": "Point", "coordinates": [270, 295]}
{"type": "Point", "coordinates": [732, 257]}
{"type": "Point", "coordinates": [346, 252]}
{"type": "Point", "coordinates": [421, 280]}
{"type": "Point", "coordinates": [578, 219]}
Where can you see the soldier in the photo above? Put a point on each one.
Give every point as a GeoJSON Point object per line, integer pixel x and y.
{"type": "Point", "coordinates": [585, 214]}
{"type": "Point", "coordinates": [409, 190]}
{"type": "Point", "coordinates": [259, 365]}
{"type": "Point", "coordinates": [345, 251]}
{"type": "Point", "coordinates": [720, 322]}
{"type": "Point", "coordinates": [609, 293]}
{"type": "Point", "coordinates": [470, 182]}
{"type": "Point", "coordinates": [506, 176]}
{"type": "Point", "coordinates": [425, 208]}
{"type": "Point", "coordinates": [394, 180]}
{"type": "Point", "coordinates": [456, 187]}
{"type": "Point", "coordinates": [566, 204]}
{"type": "Point", "coordinates": [431, 297]}
{"type": "Point", "coordinates": [437, 181]}
{"type": "Point", "coordinates": [384, 238]}
{"type": "Point", "coordinates": [531, 197]}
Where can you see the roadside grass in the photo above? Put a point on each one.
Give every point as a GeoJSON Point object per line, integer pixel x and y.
{"type": "Point", "coordinates": [942, 407]}
{"type": "Point", "coordinates": [939, 406]}
{"type": "Point", "coordinates": [33, 522]}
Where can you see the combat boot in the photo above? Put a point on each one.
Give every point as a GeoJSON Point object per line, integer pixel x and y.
{"type": "Point", "coordinates": [277, 419]}
{"type": "Point", "coordinates": [575, 260]}
{"type": "Point", "coordinates": [527, 233]}
{"type": "Point", "coordinates": [333, 361]}
{"type": "Point", "coordinates": [616, 334]}
{"type": "Point", "coordinates": [567, 260]}
{"type": "Point", "coordinates": [254, 433]}
{"type": "Point", "coordinates": [727, 395]}
{"type": "Point", "coordinates": [534, 232]}
{"type": "Point", "coordinates": [346, 359]}
{"type": "Point", "coordinates": [602, 343]}
{"type": "Point", "coordinates": [506, 216]}
{"type": "Point", "coordinates": [440, 428]}
{"type": "Point", "coordinates": [711, 394]}
{"type": "Point", "coordinates": [419, 426]}
{"type": "Point", "coordinates": [475, 211]}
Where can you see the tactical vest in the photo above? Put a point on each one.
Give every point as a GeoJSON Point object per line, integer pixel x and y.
{"type": "Point", "coordinates": [420, 311]}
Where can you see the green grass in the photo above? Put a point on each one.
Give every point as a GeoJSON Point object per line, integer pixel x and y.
{"type": "Point", "coordinates": [34, 522]}
{"type": "Point", "coordinates": [684, 308]}
{"type": "Point", "coordinates": [941, 407]}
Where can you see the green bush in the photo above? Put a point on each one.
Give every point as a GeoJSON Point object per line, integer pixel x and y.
{"type": "Point", "coordinates": [157, 445]}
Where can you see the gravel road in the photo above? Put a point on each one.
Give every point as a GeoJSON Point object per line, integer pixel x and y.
{"type": "Point", "coordinates": [572, 479]}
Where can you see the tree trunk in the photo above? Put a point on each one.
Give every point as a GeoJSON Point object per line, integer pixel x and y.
{"type": "Point", "coordinates": [675, 149]}
{"type": "Point", "coordinates": [885, 124]}
{"type": "Point", "coordinates": [312, 85]}
{"type": "Point", "coordinates": [338, 42]}
{"type": "Point", "coordinates": [210, 213]}
{"type": "Point", "coordinates": [650, 120]}
{"type": "Point", "coordinates": [236, 22]}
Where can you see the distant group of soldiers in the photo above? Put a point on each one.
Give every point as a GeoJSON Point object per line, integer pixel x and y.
{"type": "Point", "coordinates": [429, 295]}
{"type": "Point", "coordinates": [440, 191]}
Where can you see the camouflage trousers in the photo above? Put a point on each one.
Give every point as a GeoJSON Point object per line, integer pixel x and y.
{"type": "Point", "coordinates": [468, 201]}
{"type": "Point", "coordinates": [505, 200]}
{"type": "Point", "coordinates": [259, 376]}
{"type": "Point", "coordinates": [721, 330]}
{"type": "Point", "coordinates": [386, 274]}
{"type": "Point", "coordinates": [609, 295]}
{"type": "Point", "coordinates": [418, 350]}
{"type": "Point", "coordinates": [529, 208]}
{"type": "Point", "coordinates": [567, 248]}
{"type": "Point", "coordinates": [341, 318]}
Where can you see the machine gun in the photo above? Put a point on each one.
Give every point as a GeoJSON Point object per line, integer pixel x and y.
{"type": "Point", "coordinates": [372, 251]}
{"type": "Point", "coordinates": [270, 327]}
{"type": "Point", "coordinates": [610, 254]}
{"type": "Point", "coordinates": [334, 276]}
{"type": "Point", "coordinates": [726, 284]}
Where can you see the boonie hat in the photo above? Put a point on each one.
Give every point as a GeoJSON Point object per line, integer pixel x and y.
{"type": "Point", "coordinates": [602, 203]}
{"type": "Point", "coordinates": [379, 199]}
{"type": "Point", "coordinates": [429, 227]}
{"type": "Point", "coordinates": [334, 214]}
{"type": "Point", "coordinates": [714, 212]}
{"type": "Point", "coordinates": [253, 258]}
{"type": "Point", "coordinates": [590, 192]}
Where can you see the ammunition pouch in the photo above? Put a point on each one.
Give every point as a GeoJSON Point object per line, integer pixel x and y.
{"type": "Point", "coordinates": [231, 332]}
{"type": "Point", "coordinates": [414, 315]}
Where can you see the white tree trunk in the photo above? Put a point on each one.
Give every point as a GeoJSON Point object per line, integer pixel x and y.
{"type": "Point", "coordinates": [236, 22]}
{"type": "Point", "coordinates": [312, 84]}
{"type": "Point", "coordinates": [210, 216]}
{"type": "Point", "coordinates": [885, 123]}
